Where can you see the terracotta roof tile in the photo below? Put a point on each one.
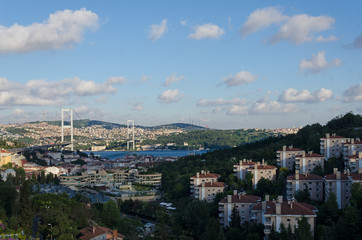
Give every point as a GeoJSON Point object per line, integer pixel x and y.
{"type": "Point", "coordinates": [356, 176]}
{"type": "Point", "coordinates": [291, 150]}
{"type": "Point", "coordinates": [298, 208]}
{"type": "Point", "coordinates": [207, 175]}
{"type": "Point", "coordinates": [213, 184]}
{"type": "Point", "coordinates": [87, 233]}
{"type": "Point", "coordinates": [333, 177]}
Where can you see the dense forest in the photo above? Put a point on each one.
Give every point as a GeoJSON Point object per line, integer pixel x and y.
{"type": "Point", "coordinates": [213, 139]}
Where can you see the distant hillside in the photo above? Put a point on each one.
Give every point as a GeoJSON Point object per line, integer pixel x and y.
{"type": "Point", "coordinates": [108, 125]}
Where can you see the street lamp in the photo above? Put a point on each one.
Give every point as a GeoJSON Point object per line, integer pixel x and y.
{"type": "Point", "coordinates": [51, 231]}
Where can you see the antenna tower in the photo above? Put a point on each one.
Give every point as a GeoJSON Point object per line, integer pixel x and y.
{"type": "Point", "coordinates": [130, 134]}
{"type": "Point", "coordinates": [68, 126]}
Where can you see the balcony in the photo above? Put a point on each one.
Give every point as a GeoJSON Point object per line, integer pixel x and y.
{"type": "Point", "coordinates": [221, 208]}
{"type": "Point", "coordinates": [221, 215]}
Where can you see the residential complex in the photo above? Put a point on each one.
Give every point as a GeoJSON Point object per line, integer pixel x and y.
{"type": "Point", "coordinates": [208, 190]}
{"type": "Point", "coordinates": [332, 145]}
{"type": "Point", "coordinates": [277, 212]}
{"type": "Point", "coordinates": [257, 170]}
{"type": "Point", "coordinates": [308, 161]}
{"type": "Point", "coordinates": [286, 156]}
{"type": "Point", "coordinates": [241, 202]}
{"type": "Point", "coordinates": [298, 182]}
{"type": "Point", "coordinates": [202, 177]}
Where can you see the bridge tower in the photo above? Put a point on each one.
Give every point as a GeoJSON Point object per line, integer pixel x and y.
{"type": "Point", "coordinates": [130, 134]}
{"type": "Point", "coordinates": [70, 126]}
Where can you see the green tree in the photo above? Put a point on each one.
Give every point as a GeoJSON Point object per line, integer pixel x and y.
{"type": "Point", "coordinates": [235, 218]}
{"type": "Point", "coordinates": [303, 230]}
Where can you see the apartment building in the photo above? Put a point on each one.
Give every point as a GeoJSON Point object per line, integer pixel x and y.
{"type": "Point", "coordinates": [202, 177]}
{"type": "Point", "coordinates": [243, 204]}
{"type": "Point", "coordinates": [286, 156]}
{"type": "Point", "coordinates": [5, 157]}
{"type": "Point", "coordinates": [354, 163]}
{"type": "Point", "coordinates": [258, 170]}
{"type": "Point", "coordinates": [339, 184]}
{"type": "Point", "coordinates": [332, 145]}
{"type": "Point", "coordinates": [308, 161]}
{"type": "Point", "coordinates": [277, 212]}
{"type": "Point", "coordinates": [207, 190]}
{"type": "Point", "coordinates": [299, 182]}
{"type": "Point", "coordinates": [352, 147]}
{"type": "Point", "coordinates": [116, 178]}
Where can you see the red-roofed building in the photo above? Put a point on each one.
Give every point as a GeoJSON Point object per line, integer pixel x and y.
{"type": "Point", "coordinates": [286, 156]}
{"type": "Point", "coordinates": [299, 182]}
{"type": "Point", "coordinates": [332, 145]}
{"type": "Point", "coordinates": [99, 233]}
{"type": "Point", "coordinates": [243, 204]}
{"type": "Point", "coordinates": [208, 190]}
{"type": "Point", "coordinates": [308, 161]}
{"type": "Point", "coordinates": [202, 177]}
{"type": "Point", "coordinates": [258, 170]}
{"type": "Point", "coordinates": [279, 212]}
{"type": "Point", "coordinates": [352, 147]}
{"type": "Point", "coordinates": [354, 163]}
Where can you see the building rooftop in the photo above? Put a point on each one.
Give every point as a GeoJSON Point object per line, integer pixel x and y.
{"type": "Point", "coordinates": [292, 208]}
{"type": "Point", "coordinates": [92, 232]}
{"type": "Point", "coordinates": [305, 177]}
{"type": "Point", "coordinates": [213, 184]}
{"type": "Point", "coordinates": [207, 175]}
{"type": "Point", "coordinates": [334, 177]}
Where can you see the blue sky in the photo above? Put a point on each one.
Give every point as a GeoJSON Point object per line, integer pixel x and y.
{"type": "Point", "coordinates": [228, 65]}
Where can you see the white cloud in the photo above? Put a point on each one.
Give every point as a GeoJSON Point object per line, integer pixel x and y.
{"type": "Point", "coordinates": [116, 80]}
{"type": "Point", "coordinates": [262, 18]}
{"type": "Point", "coordinates": [240, 78]}
{"type": "Point", "coordinates": [296, 29]}
{"type": "Point", "coordinates": [145, 78]}
{"type": "Point", "coordinates": [274, 107]}
{"type": "Point", "coordinates": [293, 95]}
{"type": "Point", "coordinates": [265, 98]}
{"type": "Point", "coordinates": [237, 110]}
{"type": "Point", "coordinates": [328, 39]}
{"type": "Point", "coordinates": [42, 92]}
{"type": "Point", "coordinates": [317, 63]}
{"type": "Point", "coordinates": [229, 23]}
{"type": "Point", "coordinates": [18, 112]}
{"type": "Point", "coordinates": [170, 96]}
{"type": "Point", "coordinates": [157, 30]}
{"type": "Point", "coordinates": [220, 102]}
{"type": "Point", "coordinates": [183, 22]}
{"type": "Point", "coordinates": [300, 28]}
{"type": "Point", "coordinates": [353, 93]}
{"type": "Point", "coordinates": [357, 43]}
{"type": "Point", "coordinates": [61, 30]}
{"type": "Point", "coordinates": [207, 31]}
{"type": "Point", "coordinates": [172, 79]}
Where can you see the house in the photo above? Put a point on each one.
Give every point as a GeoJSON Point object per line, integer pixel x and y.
{"type": "Point", "coordinates": [277, 212]}
{"type": "Point", "coordinates": [99, 233]}
{"type": "Point", "coordinates": [243, 204]}
{"type": "Point", "coordinates": [298, 182]}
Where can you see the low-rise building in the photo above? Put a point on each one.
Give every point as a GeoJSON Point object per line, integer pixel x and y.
{"type": "Point", "coordinates": [277, 212]}
{"type": "Point", "coordinates": [298, 182]}
{"type": "Point", "coordinates": [207, 190]}
{"type": "Point", "coordinates": [241, 202]}
{"type": "Point", "coordinates": [286, 156]}
{"type": "Point", "coordinates": [352, 147]}
{"type": "Point", "coordinates": [354, 163]}
{"type": "Point", "coordinates": [308, 161]}
{"type": "Point", "coordinates": [99, 233]}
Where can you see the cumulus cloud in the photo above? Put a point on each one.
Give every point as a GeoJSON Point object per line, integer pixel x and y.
{"type": "Point", "coordinates": [328, 39]}
{"type": "Point", "coordinates": [220, 102]}
{"type": "Point", "coordinates": [172, 79]}
{"type": "Point", "coordinates": [170, 96]}
{"type": "Point", "coordinates": [42, 92]}
{"type": "Point", "coordinates": [357, 43]}
{"type": "Point", "coordinates": [353, 93]}
{"type": "Point", "coordinates": [116, 80]}
{"type": "Point", "coordinates": [293, 95]}
{"type": "Point", "coordinates": [240, 78]}
{"type": "Point", "coordinates": [317, 63]}
{"type": "Point", "coordinates": [207, 31]}
{"type": "Point", "coordinates": [273, 107]}
{"type": "Point", "coordinates": [296, 29]}
{"type": "Point", "coordinates": [145, 78]}
{"type": "Point", "coordinates": [18, 112]}
{"type": "Point", "coordinates": [183, 22]}
{"type": "Point", "coordinates": [157, 30]}
{"type": "Point", "coordinates": [237, 110]}
{"type": "Point", "coordinates": [61, 30]}
{"type": "Point", "coordinates": [262, 18]}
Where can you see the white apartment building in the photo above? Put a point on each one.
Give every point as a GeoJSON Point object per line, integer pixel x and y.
{"type": "Point", "coordinates": [332, 145]}
{"type": "Point", "coordinates": [208, 190]}
{"type": "Point", "coordinates": [308, 161]}
{"type": "Point", "coordinates": [286, 156]}
{"type": "Point", "coordinates": [202, 177]}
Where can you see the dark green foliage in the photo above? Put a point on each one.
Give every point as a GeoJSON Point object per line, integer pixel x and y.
{"type": "Point", "coordinates": [303, 196]}
{"type": "Point", "coordinates": [303, 230]}
{"type": "Point", "coordinates": [7, 197]}
{"type": "Point", "coordinates": [235, 218]}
